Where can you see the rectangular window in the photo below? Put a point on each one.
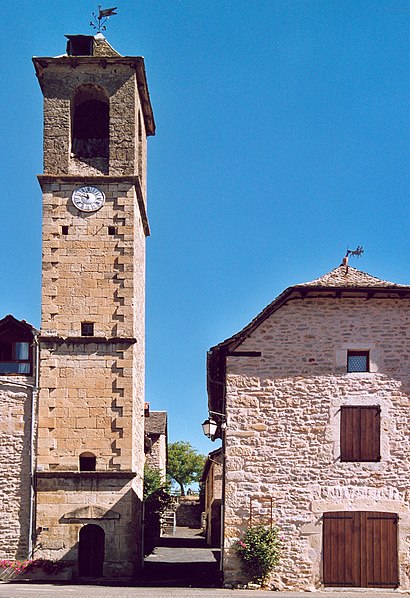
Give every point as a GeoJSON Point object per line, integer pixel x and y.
{"type": "Point", "coordinates": [360, 433]}
{"type": "Point", "coordinates": [112, 230]}
{"type": "Point", "coordinates": [358, 361]}
{"type": "Point", "coordinates": [87, 329]}
{"type": "Point", "coordinates": [64, 229]}
{"type": "Point", "coordinates": [14, 357]}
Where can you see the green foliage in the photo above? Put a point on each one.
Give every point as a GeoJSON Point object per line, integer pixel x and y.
{"type": "Point", "coordinates": [152, 480]}
{"type": "Point", "coordinates": [185, 465]}
{"type": "Point", "coordinates": [156, 501]}
{"type": "Point", "coordinates": [259, 552]}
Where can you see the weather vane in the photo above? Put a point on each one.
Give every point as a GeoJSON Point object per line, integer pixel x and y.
{"type": "Point", "coordinates": [99, 21]}
{"type": "Point", "coordinates": [356, 252]}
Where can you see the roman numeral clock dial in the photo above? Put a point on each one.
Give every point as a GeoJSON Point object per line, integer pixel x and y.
{"type": "Point", "coordinates": [88, 199]}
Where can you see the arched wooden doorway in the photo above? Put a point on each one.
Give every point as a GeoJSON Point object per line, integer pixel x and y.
{"type": "Point", "coordinates": [91, 551]}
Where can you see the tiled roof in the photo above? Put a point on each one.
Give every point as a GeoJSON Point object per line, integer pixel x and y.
{"type": "Point", "coordinates": [343, 280]}
{"type": "Point", "coordinates": [156, 422]}
{"type": "Point", "coordinates": [343, 276]}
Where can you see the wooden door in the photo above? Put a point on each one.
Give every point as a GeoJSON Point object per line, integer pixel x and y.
{"type": "Point", "coordinates": [360, 549]}
{"type": "Point", "coordinates": [91, 551]}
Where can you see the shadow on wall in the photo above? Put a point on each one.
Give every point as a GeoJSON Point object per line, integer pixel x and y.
{"type": "Point", "coordinates": [107, 542]}
{"type": "Point", "coordinates": [25, 484]}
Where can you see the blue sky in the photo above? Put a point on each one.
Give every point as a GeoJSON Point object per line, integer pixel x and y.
{"type": "Point", "coordinates": [283, 136]}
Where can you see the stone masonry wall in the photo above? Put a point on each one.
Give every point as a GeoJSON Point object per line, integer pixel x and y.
{"type": "Point", "coordinates": [15, 424]}
{"type": "Point", "coordinates": [283, 432]}
{"type": "Point", "coordinates": [213, 496]}
{"type": "Point", "coordinates": [88, 274]}
{"type": "Point", "coordinates": [157, 457]}
{"type": "Point", "coordinates": [92, 389]}
{"type": "Point", "coordinates": [119, 83]}
{"type": "Point", "coordinates": [188, 512]}
{"type": "Point", "coordinates": [109, 502]}
{"type": "Point", "coordinates": [82, 408]}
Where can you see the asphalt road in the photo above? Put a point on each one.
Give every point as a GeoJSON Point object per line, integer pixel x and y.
{"type": "Point", "coordinates": [181, 559]}
{"type": "Point", "coordinates": [51, 591]}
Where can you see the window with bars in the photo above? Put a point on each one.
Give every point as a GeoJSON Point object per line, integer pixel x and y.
{"type": "Point", "coordinates": [360, 433]}
{"type": "Point", "coordinates": [358, 361]}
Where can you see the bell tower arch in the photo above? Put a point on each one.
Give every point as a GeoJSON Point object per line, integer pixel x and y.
{"type": "Point", "coordinates": [97, 117]}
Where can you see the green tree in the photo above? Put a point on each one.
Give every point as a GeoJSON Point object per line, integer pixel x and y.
{"type": "Point", "coordinates": [185, 464]}
{"type": "Point", "coordinates": [152, 480]}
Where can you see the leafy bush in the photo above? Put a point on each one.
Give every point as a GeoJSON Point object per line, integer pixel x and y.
{"type": "Point", "coordinates": [259, 552]}
{"type": "Point", "coordinates": [156, 501]}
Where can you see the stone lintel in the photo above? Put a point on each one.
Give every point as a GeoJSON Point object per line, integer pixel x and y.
{"type": "Point", "coordinates": [48, 475]}
{"type": "Point", "coordinates": [89, 512]}
{"type": "Point", "coordinates": [48, 178]}
{"type": "Point", "coordinates": [115, 340]}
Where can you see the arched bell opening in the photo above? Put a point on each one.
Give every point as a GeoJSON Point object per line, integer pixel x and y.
{"type": "Point", "coordinates": [90, 126]}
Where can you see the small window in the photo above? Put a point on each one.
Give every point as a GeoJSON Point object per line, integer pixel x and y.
{"type": "Point", "coordinates": [14, 357]}
{"type": "Point", "coordinates": [360, 433]}
{"type": "Point", "coordinates": [358, 361]}
{"type": "Point", "coordinates": [87, 329]}
{"type": "Point", "coordinates": [112, 230]}
{"type": "Point", "coordinates": [64, 230]}
{"type": "Point", "coordinates": [88, 462]}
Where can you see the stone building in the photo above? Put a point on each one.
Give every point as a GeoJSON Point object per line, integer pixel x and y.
{"type": "Point", "coordinates": [90, 448]}
{"type": "Point", "coordinates": [315, 393]}
{"type": "Point", "coordinates": [18, 389]}
{"type": "Point", "coordinates": [156, 440]}
{"type": "Point", "coordinates": [211, 482]}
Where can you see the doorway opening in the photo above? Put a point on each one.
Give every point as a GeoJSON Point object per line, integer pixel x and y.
{"type": "Point", "coordinates": [360, 549]}
{"type": "Point", "coordinates": [91, 551]}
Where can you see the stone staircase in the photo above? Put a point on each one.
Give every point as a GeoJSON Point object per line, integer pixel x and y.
{"type": "Point", "coordinates": [168, 523]}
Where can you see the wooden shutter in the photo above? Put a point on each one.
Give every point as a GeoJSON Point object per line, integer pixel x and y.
{"type": "Point", "coordinates": [360, 549]}
{"type": "Point", "coordinates": [370, 434]}
{"type": "Point", "coordinates": [360, 433]}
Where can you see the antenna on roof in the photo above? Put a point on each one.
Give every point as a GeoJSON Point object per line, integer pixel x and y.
{"type": "Point", "coordinates": [356, 252]}
{"type": "Point", "coordinates": [99, 22]}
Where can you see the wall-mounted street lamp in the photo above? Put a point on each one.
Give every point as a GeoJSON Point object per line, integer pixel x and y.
{"type": "Point", "coordinates": [210, 426]}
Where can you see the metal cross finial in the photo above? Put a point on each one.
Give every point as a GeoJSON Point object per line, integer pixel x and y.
{"type": "Point", "coordinates": [99, 22]}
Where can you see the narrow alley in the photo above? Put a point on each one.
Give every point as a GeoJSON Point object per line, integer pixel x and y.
{"type": "Point", "coordinates": [182, 559]}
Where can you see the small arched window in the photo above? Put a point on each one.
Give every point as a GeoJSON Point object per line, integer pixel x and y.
{"type": "Point", "coordinates": [88, 462]}
{"type": "Point", "coordinates": [90, 123]}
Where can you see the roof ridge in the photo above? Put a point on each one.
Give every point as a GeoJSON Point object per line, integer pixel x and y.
{"type": "Point", "coordinates": [348, 276]}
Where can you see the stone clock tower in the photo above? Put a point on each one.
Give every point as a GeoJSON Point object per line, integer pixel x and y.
{"type": "Point", "coordinates": [90, 455]}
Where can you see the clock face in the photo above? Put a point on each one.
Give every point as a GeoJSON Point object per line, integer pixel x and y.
{"type": "Point", "coordinates": [88, 199]}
